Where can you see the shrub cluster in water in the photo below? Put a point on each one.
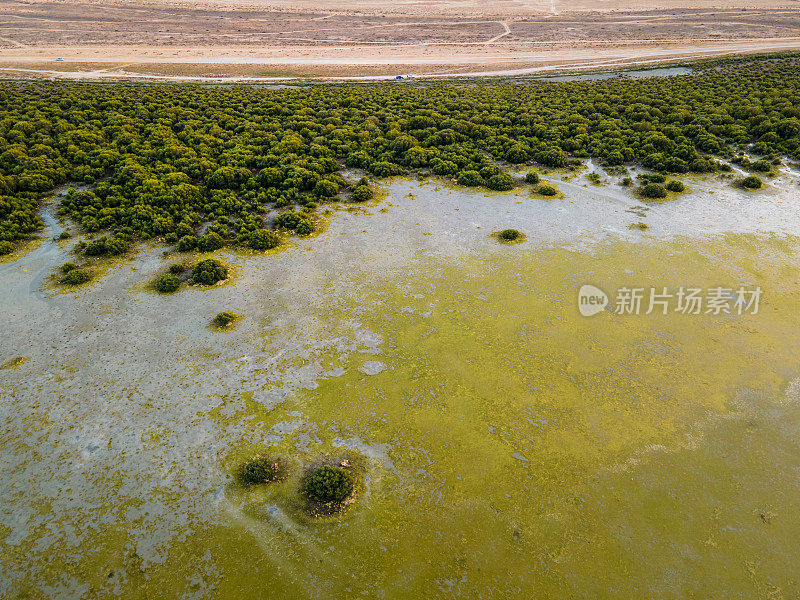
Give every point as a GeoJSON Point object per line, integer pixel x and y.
{"type": "Point", "coordinates": [675, 186]}
{"type": "Point", "coordinates": [171, 161]}
{"type": "Point", "coordinates": [295, 221]}
{"type": "Point", "coordinates": [532, 177]}
{"type": "Point", "coordinates": [547, 190]}
{"type": "Point", "coordinates": [167, 283]}
{"type": "Point", "coordinates": [73, 275]}
{"type": "Point", "coordinates": [259, 469]}
{"type": "Point", "coordinates": [224, 318]}
{"type": "Point", "coordinates": [107, 245]}
{"type": "Point", "coordinates": [653, 190]}
{"type": "Point", "coordinates": [264, 239]}
{"type": "Point", "coordinates": [362, 191]}
{"type": "Point", "coordinates": [509, 234]}
{"type": "Point", "coordinates": [329, 484]}
{"type": "Point", "coordinates": [209, 272]}
{"type": "Point", "coordinates": [751, 183]}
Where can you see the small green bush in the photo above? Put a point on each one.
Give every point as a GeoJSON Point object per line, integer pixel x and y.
{"type": "Point", "coordinates": [326, 189]}
{"type": "Point", "coordinates": [209, 271]}
{"type": "Point", "coordinates": [626, 182]}
{"type": "Point", "coordinates": [329, 484]}
{"type": "Point", "coordinates": [177, 268]}
{"type": "Point", "coordinates": [362, 192]}
{"type": "Point", "coordinates": [295, 221]}
{"type": "Point", "coordinates": [548, 190]}
{"type": "Point", "coordinates": [532, 177]}
{"type": "Point", "coordinates": [264, 239]}
{"type": "Point", "coordinates": [762, 166]}
{"type": "Point", "coordinates": [675, 186]}
{"type": "Point", "coordinates": [751, 183]}
{"type": "Point", "coordinates": [653, 178]}
{"type": "Point", "coordinates": [259, 469]}
{"type": "Point", "coordinates": [305, 227]}
{"type": "Point", "coordinates": [224, 318]}
{"type": "Point", "coordinates": [64, 235]}
{"type": "Point", "coordinates": [67, 267]}
{"type": "Point", "coordinates": [110, 245]}
{"type": "Point", "coordinates": [167, 283]}
{"type": "Point", "coordinates": [76, 277]}
{"type": "Point", "coordinates": [653, 190]}
{"type": "Point", "coordinates": [469, 178]}
{"type": "Point", "coordinates": [187, 243]}
{"type": "Point", "coordinates": [210, 242]}
{"type": "Point", "coordinates": [502, 182]}
{"type": "Point", "coordinates": [509, 234]}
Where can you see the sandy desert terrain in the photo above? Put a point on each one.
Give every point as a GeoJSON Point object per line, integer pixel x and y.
{"type": "Point", "coordinates": [253, 38]}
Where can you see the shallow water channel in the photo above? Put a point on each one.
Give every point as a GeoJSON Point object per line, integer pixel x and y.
{"type": "Point", "coordinates": [512, 447]}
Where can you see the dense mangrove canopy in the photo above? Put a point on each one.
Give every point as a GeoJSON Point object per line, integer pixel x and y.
{"type": "Point", "coordinates": [163, 160]}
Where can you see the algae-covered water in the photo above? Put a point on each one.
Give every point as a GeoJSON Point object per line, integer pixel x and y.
{"type": "Point", "coordinates": [510, 447]}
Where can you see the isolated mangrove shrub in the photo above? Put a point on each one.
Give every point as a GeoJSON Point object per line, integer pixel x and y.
{"type": "Point", "coordinates": [751, 183]}
{"type": "Point", "coordinates": [675, 186]}
{"type": "Point", "coordinates": [653, 190]}
{"type": "Point", "coordinates": [329, 484]}
{"type": "Point", "coordinates": [76, 277]}
{"type": "Point", "coordinates": [177, 268]}
{"type": "Point", "coordinates": [509, 235]}
{"type": "Point", "coordinates": [167, 283]}
{"type": "Point", "coordinates": [469, 178]}
{"type": "Point", "coordinates": [264, 239]}
{"type": "Point", "coordinates": [626, 182]}
{"type": "Point", "coordinates": [362, 192]}
{"type": "Point", "coordinates": [67, 267]}
{"type": "Point", "coordinates": [187, 243]}
{"type": "Point", "coordinates": [547, 190]}
{"type": "Point", "coordinates": [502, 182]}
{"type": "Point", "coordinates": [224, 318]}
{"type": "Point", "coordinates": [532, 177]}
{"type": "Point", "coordinates": [209, 271]}
{"type": "Point", "coordinates": [209, 242]}
{"type": "Point", "coordinates": [259, 469]}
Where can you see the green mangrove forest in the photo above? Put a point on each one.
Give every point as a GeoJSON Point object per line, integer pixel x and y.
{"type": "Point", "coordinates": [206, 167]}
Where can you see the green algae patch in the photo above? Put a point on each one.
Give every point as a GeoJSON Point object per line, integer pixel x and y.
{"type": "Point", "coordinates": [15, 362]}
